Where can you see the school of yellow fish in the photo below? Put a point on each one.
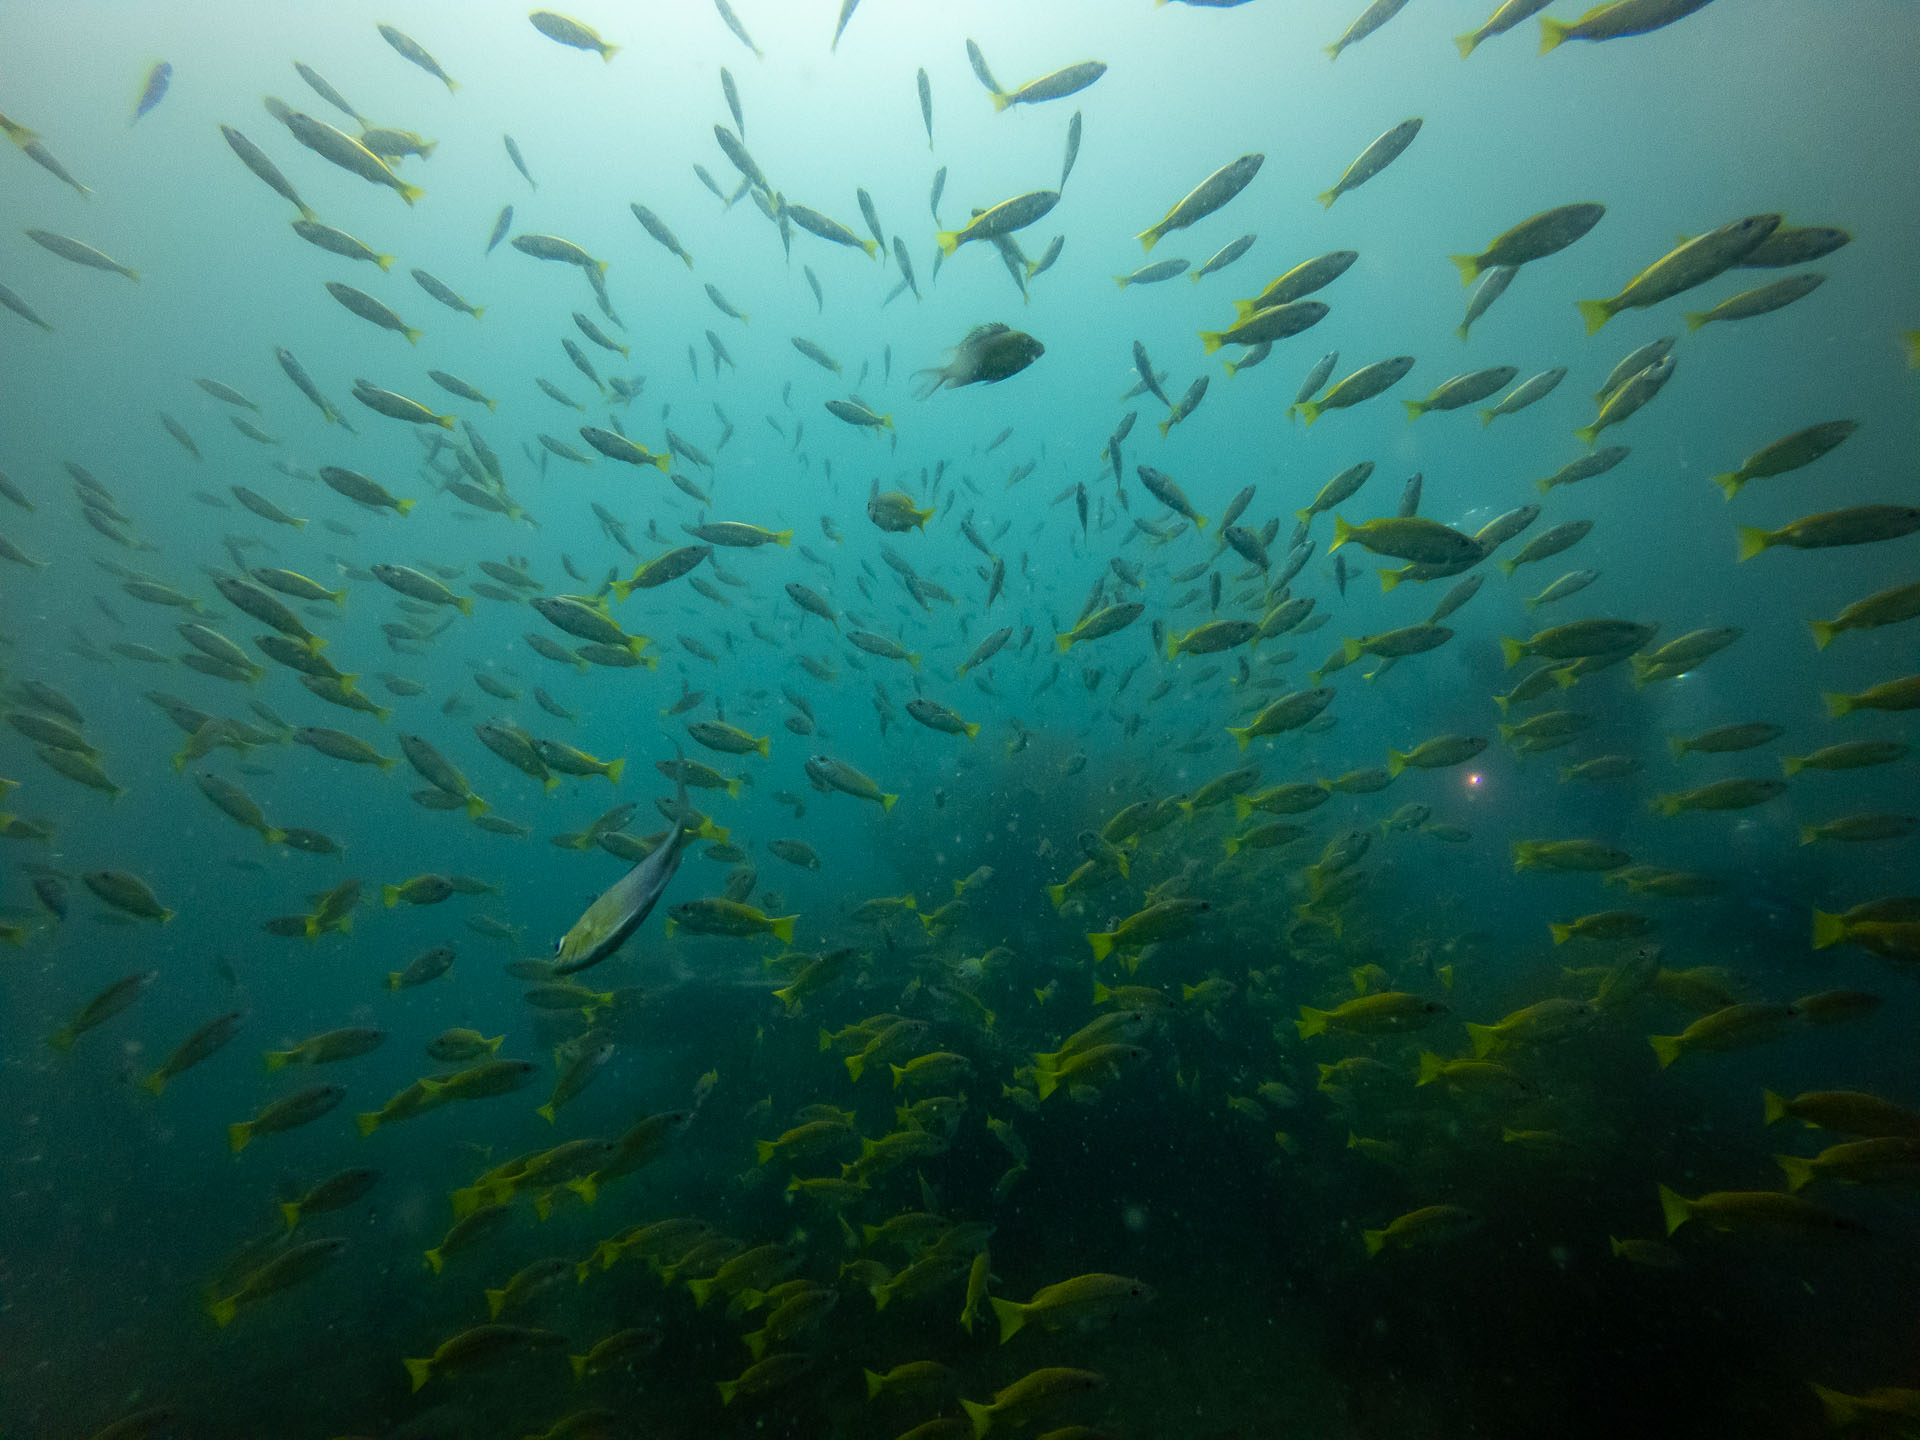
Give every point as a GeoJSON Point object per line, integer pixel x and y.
{"type": "Point", "coordinates": [1214, 946]}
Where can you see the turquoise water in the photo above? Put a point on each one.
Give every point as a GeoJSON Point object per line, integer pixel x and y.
{"type": "Point", "coordinates": [1243, 1209]}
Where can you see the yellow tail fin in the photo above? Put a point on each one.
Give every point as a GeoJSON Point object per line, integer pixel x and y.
{"type": "Point", "coordinates": [1799, 1172]}
{"type": "Point", "coordinates": [1676, 1209]}
{"type": "Point", "coordinates": [1011, 1316]}
{"type": "Point", "coordinates": [1828, 929]}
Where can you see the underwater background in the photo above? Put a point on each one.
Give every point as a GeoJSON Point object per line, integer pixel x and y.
{"type": "Point", "coordinates": [1226, 1156]}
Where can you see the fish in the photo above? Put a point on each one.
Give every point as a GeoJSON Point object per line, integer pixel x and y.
{"type": "Point", "coordinates": [987, 354]}
{"type": "Point", "coordinates": [1070, 80]}
{"type": "Point", "coordinates": [1363, 384]}
{"type": "Point", "coordinates": [153, 91]}
{"type": "Point", "coordinates": [349, 154]}
{"type": "Point", "coordinates": [999, 220]}
{"type": "Point", "coordinates": [1614, 20]}
{"type": "Point", "coordinates": [1369, 20]}
{"type": "Point", "coordinates": [1503, 19]}
{"type": "Point", "coordinates": [1693, 262]}
{"type": "Point", "coordinates": [1205, 198]}
{"type": "Point", "coordinates": [1375, 158]}
{"type": "Point", "coordinates": [79, 253]}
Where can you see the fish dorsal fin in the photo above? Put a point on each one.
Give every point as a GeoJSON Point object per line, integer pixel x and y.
{"type": "Point", "coordinates": [986, 332]}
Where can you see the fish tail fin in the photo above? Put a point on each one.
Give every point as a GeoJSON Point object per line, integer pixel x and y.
{"type": "Point", "coordinates": [1823, 633]}
{"type": "Point", "coordinates": [1561, 932]}
{"type": "Point", "coordinates": [1842, 1410]}
{"type": "Point", "coordinates": [1327, 197]}
{"type": "Point", "coordinates": [420, 1370]}
{"type": "Point", "coordinates": [1595, 312]}
{"type": "Point", "coordinates": [1514, 650]}
{"type": "Point", "coordinates": [1695, 319]}
{"type": "Point", "coordinates": [1589, 434]}
{"type": "Point", "coordinates": [1469, 271]}
{"type": "Point", "coordinates": [1311, 1022]}
{"type": "Point", "coordinates": [1375, 1240]}
{"type": "Point", "coordinates": [367, 1121]}
{"type": "Point", "coordinates": [1415, 408]}
{"type": "Point", "coordinates": [156, 1082]}
{"type": "Point", "coordinates": [1102, 943]}
{"type": "Point", "coordinates": [1242, 733]}
{"type": "Point", "coordinates": [1431, 1066]}
{"type": "Point", "coordinates": [1486, 1039]}
{"type": "Point", "coordinates": [1667, 1048]}
{"type": "Point", "coordinates": [783, 928]}
{"type": "Point", "coordinates": [1799, 1172]}
{"type": "Point", "coordinates": [1675, 1208]}
{"type": "Point", "coordinates": [980, 1415]}
{"type": "Point", "coordinates": [1467, 44]}
{"type": "Point", "coordinates": [238, 1134]}
{"type": "Point", "coordinates": [1752, 541]}
{"type": "Point", "coordinates": [1552, 33]}
{"type": "Point", "coordinates": [1828, 929]}
{"type": "Point", "coordinates": [948, 241]}
{"type": "Point", "coordinates": [1011, 1317]}
{"type": "Point", "coordinates": [1775, 1107]}
{"type": "Point", "coordinates": [223, 1312]}
{"type": "Point", "coordinates": [1838, 704]}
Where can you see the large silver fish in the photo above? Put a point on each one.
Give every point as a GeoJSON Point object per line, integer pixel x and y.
{"type": "Point", "coordinates": [607, 923]}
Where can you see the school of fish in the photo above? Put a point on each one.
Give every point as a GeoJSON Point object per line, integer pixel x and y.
{"type": "Point", "coordinates": [1196, 899]}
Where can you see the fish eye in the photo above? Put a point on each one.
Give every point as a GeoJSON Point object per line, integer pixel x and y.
{"type": "Point", "coordinates": [558, 941]}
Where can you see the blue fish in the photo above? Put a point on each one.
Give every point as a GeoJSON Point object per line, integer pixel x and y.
{"type": "Point", "coordinates": [155, 90]}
